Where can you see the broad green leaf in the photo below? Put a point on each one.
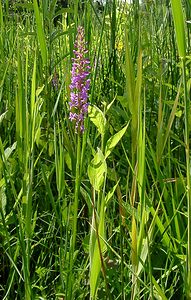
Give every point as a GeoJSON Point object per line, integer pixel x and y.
{"type": "Point", "coordinates": [97, 169]}
{"type": "Point", "coordinates": [94, 271]}
{"type": "Point", "coordinates": [97, 117]}
{"type": "Point", "coordinates": [178, 17]}
{"type": "Point", "coordinates": [95, 259]}
{"type": "Point", "coordinates": [112, 142]}
{"type": "Point", "coordinates": [110, 193]}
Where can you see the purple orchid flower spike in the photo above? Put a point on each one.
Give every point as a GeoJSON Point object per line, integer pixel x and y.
{"type": "Point", "coordinates": [80, 84]}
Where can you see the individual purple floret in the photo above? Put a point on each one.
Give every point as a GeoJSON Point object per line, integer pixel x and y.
{"type": "Point", "coordinates": [80, 83]}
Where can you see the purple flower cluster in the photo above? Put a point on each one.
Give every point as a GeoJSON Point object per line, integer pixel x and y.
{"type": "Point", "coordinates": [80, 83]}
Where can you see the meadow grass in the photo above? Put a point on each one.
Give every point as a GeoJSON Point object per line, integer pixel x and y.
{"type": "Point", "coordinates": [104, 214]}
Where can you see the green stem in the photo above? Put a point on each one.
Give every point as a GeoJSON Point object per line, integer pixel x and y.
{"type": "Point", "coordinates": [75, 215]}
{"type": "Point", "coordinates": [77, 188]}
{"type": "Point", "coordinates": [188, 192]}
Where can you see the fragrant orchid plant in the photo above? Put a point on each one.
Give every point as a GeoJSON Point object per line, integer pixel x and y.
{"type": "Point", "coordinates": [80, 83]}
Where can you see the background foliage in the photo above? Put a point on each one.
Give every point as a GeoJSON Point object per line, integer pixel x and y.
{"type": "Point", "coordinates": [118, 226]}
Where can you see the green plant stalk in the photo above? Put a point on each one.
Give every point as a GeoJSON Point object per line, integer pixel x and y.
{"type": "Point", "coordinates": [75, 215]}
{"type": "Point", "coordinates": [28, 291]}
{"type": "Point", "coordinates": [179, 23]}
{"type": "Point", "coordinates": [122, 234]}
{"type": "Point", "coordinates": [188, 191]}
{"type": "Point", "coordinates": [150, 266]}
{"type": "Point", "coordinates": [103, 269]}
{"type": "Point", "coordinates": [28, 162]}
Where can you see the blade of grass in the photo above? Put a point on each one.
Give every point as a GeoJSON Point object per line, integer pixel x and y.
{"type": "Point", "coordinates": [179, 24]}
{"type": "Point", "coordinates": [40, 32]}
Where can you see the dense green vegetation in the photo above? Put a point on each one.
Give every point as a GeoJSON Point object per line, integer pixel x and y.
{"type": "Point", "coordinates": [104, 214]}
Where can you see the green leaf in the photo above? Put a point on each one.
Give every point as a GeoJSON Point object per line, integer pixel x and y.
{"type": "Point", "coordinates": [129, 74]}
{"type": "Point", "coordinates": [40, 32]}
{"type": "Point", "coordinates": [97, 117]}
{"type": "Point", "coordinates": [95, 270]}
{"type": "Point", "coordinates": [9, 150]}
{"type": "Point", "coordinates": [39, 90]}
{"type": "Point", "coordinates": [123, 100]}
{"type": "Point", "coordinates": [112, 142]}
{"type": "Point", "coordinates": [110, 193]}
{"type": "Point", "coordinates": [178, 17]}
{"type": "Point", "coordinates": [3, 199]}
{"type": "Point", "coordinates": [68, 160]}
{"type": "Point", "coordinates": [97, 250]}
{"type": "Point", "coordinates": [3, 116]}
{"type": "Point", "coordinates": [97, 169]}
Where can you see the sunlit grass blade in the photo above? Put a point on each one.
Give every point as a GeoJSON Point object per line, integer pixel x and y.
{"type": "Point", "coordinates": [181, 42]}
{"type": "Point", "coordinates": [163, 137]}
{"type": "Point", "coordinates": [129, 74]}
{"type": "Point", "coordinates": [40, 32]}
{"type": "Point", "coordinates": [179, 24]}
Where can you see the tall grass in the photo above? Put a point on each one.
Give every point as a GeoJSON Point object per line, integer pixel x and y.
{"type": "Point", "coordinates": [106, 214]}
